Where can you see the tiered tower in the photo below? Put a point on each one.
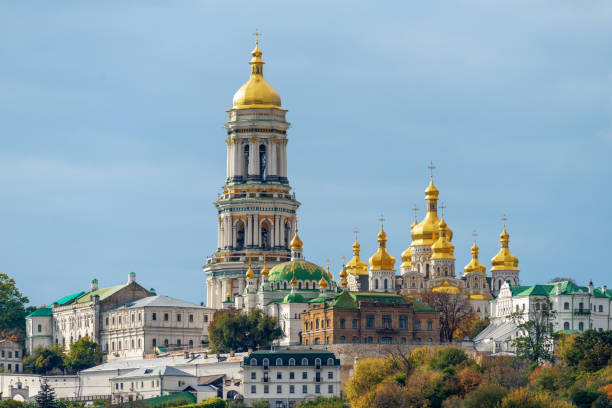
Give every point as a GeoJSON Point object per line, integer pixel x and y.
{"type": "Point", "coordinates": [256, 211]}
{"type": "Point", "coordinates": [504, 265]}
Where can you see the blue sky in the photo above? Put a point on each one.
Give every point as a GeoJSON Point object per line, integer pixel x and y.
{"type": "Point", "coordinates": [112, 141]}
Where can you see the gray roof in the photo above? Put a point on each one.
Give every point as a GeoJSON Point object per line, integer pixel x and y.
{"type": "Point", "coordinates": [159, 371]}
{"type": "Point", "coordinates": [156, 301]}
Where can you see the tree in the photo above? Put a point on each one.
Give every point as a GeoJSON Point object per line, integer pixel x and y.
{"type": "Point", "coordinates": [12, 308]}
{"type": "Point", "coordinates": [454, 309]}
{"type": "Point", "coordinates": [45, 359]}
{"type": "Point", "coordinates": [367, 375]}
{"type": "Point", "coordinates": [233, 330]}
{"type": "Point", "coordinates": [83, 354]}
{"type": "Point", "coordinates": [46, 396]}
{"type": "Point", "coordinates": [478, 326]}
{"type": "Point", "coordinates": [589, 351]}
{"type": "Point", "coordinates": [322, 402]}
{"type": "Point", "coordinates": [536, 343]}
{"type": "Point", "coordinates": [485, 396]}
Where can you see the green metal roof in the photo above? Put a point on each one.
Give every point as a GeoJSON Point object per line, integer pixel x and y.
{"type": "Point", "coordinates": [47, 310]}
{"type": "Point", "coordinates": [294, 298]}
{"type": "Point", "coordinates": [178, 396]}
{"type": "Point", "coordinates": [285, 355]}
{"type": "Point", "coordinates": [101, 293]}
{"type": "Point", "coordinates": [43, 311]}
{"type": "Point", "coordinates": [301, 269]}
{"type": "Point", "coordinates": [550, 289]}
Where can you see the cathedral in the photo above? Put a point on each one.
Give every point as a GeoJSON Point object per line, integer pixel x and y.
{"type": "Point", "coordinates": [259, 262]}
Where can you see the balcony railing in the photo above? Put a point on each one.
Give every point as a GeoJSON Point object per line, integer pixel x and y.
{"type": "Point", "coordinates": [582, 311]}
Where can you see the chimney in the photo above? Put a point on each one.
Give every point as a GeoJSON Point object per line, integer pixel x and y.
{"type": "Point", "coordinates": [93, 286]}
{"type": "Point", "coordinates": [590, 287]}
{"type": "Point", "coordinates": [604, 288]}
{"type": "Point", "coordinates": [558, 291]}
{"type": "Point", "coordinates": [131, 277]}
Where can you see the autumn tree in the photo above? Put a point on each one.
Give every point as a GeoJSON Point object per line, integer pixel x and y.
{"type": "Point", "coordinates": [83, 354]}
{"type": "Point", "coordinates": [536, 327]}
{"type": "Point", "coordinates": [43, 360]}
{"type": "Point", "coordinates": [589, 351]}
{"type": "Point", "coordinates": [454, 310]}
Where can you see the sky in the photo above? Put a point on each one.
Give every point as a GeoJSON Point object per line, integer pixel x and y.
{"type": "Point", "coordinates": [112, 141]}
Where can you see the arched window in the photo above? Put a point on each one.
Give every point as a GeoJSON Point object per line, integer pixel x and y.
{"type": "Point", "coordinates": [499, 284]}
{"type": "Point", "coordinates": [239, 235]}
{"type": "Point", "coordinates": [292, 361]}
{"type": "Point", "coordinates": [300, 285]}
{"type": "Point", "coordinates": [306, 285]}
{"type": "Point", "coordinates": [330, 361]}
{"type": "Point", "coordinates": [284, 285]}
{"type": "Point", "coordinates": [342, 323]}
{"type": "Point", "coordinates": [266, 363]}
{"type": "Point", "coordinates": [317, 362]}
{"type": "Point", "coordinates": [279, 361]}
{"type": "Point", "coordinates": [246, 159]}
{"type": "Point", "coordinates": [580, 326]}
{"type": "Point", "coordinates": [427, 270]}
{"type": "Point", "coordinates": [253, 362]}
{"type": "Point", "coordinates": [262, 161]}
{"type": "Point", "coordinates": [375, 283]}
{"type": "Point", "coordinates": [385, 284]}
{"type": "Point", "coordinates": [566, 326]}
{"type": "Point", "coordinates": [580, 306]}
{"type": "Point", "coordinates": [317, 324]}
{"type": "Point", "coordinates": [154, 342]}
{"type": "Point", "coordinates": [287, 233]}
{"type": "Point", "coordinates": [265, 235]}
{"type": "Point", "coordinates": [304, 361]}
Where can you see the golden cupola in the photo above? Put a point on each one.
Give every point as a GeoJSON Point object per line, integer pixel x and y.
{"type": "Point", "coordinates": [356, 266]}
{"type": "Point", "coordinates": [406, 258]}
{"type": "Point", "coordinates": [323, 283]}
{"type": "Point", "coordinates": [474, 265]}
{"type": "Point", "coordinates": [504, 260]}
{"type": "Point", "coordinates": [442, 248]}
{"type": "Point", "coordinates": [296, 242]}
{"type": "Point", "coordinates": [343, 275]}
{"type": "Point", "coordinates": [426, 232]}
{"type": "Point", "coordinates": [256, 93]}
{"type": "Point", "coordinates": [382, 260]}
{"type": "Point", "coordinates": [265, 271]}
{"type": "Point", "coordinates": [249, 273]}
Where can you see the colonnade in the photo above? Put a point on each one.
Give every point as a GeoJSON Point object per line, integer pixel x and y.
{"type": "Point", "coordinates": [280, 235]}
{"type": "Point", "coordinates": [216, 290]}
{"type": "Point", "coordinates": [276, 154]}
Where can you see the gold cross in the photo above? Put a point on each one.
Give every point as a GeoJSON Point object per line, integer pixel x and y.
{"type": "Point", "coordinates": [505, 219]}
{"type": "Point", "coordinates": [474, 234]}
{"type": "Point", "coordinates": [415, 209]}
{"type": "Point", "coordinates": [442, 207]}
{"type": "Point", "coordinates": [327, 260]}
{"type": "Point", "coordinates": [382, 220]}
{"type": "Point", "coordinates": [343, 260]}
{"type": "Point", "coordinates": [356, 232]}
{"type": "Point", "coordinates": [257, 34]}
{"type": "Point", "coordinates": [431, 168]}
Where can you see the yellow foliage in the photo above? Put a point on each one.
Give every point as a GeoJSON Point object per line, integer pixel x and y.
{"type": "Point", "coordinates": [367, 375]}
{"type": "Point", "coordinates": [524, 398]}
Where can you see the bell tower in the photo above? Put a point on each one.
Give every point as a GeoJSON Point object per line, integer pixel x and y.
{"type": "Point", "coordinates": [256, 212]}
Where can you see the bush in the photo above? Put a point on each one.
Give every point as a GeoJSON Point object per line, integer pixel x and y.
{"type": "Point", "coordinates": [523, 398]}
{"type": "Point", "coordinates": [261, 404]}
{"type": "Point", "coordinates": [322, 402]}
{"type": "Point", "coordinates": [544, 378]}
{"type": "Point", "coordinates": [208, 403]}
{"type": "Point", "coordinates": [485, 396]}
{"type": "Point", "coordinates": [447, 357]}
{"type": "Point", "coordinates": [590, 351]}
{"type": "Point", "coordinates": [584, 398]}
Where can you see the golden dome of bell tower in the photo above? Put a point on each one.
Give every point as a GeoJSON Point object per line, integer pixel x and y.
{"type": "Point", "coordinates": [425, 233]}
{"type": "Point", "coordinates": [256, 92]}
{"type": "Point", "coordinates": [504, 265]}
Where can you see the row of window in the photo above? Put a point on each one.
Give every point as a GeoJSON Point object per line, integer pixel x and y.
{"type": "Point", "coordinates": [154, 383]}
{"type": "Point", "coordinates": [153, 343]}
{"type": "Point", "coordinates": [387, 323]}
{"type": "Point", "coordinates": [166, 318]}
{"type": "Point", "coordinates": [279, 362]}
{"type": "Point", "coordinates": [367, 340]}
{"type": "Point", "coordinates": [279, 389]}
{"type": "Point", "coordinates": [279, 375]}
{"type": "Point", "coordinates": [10, 354]}
{"type": "Point", "coordinates": [9, 367]}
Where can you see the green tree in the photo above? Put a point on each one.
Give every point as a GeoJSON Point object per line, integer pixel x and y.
{"type": "Point", "coordinates": [83, 354]}
{"type": "Point", "coordinates": [233, 330]}
{"type": "Point", "coordinates": [448, 356]}
{"type": "Point", "coordinates": [45, 359]}
{"type": "Point", "coordinates": [12, 308]}
{"type": "Point", "coordinates": [261, 404]}
{"type": "Point", "coordinates": [322, 402]}
{"type": "Point", "coordinates": [46, 396]}
{"type": "Point", "coordinates": [590, 351]}
{"type": "Point", "coordinates": [536, 343]}
{"type": "Point", "coordinates": [485, 396]}
{"type": "Point", "coordinates": [478, 326]}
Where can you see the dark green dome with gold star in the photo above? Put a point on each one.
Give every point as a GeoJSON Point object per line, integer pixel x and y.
{"type": "Point", "coordinates": [303, 270]}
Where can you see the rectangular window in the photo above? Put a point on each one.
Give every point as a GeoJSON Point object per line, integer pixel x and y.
{"type": "Point", "coordinates": [386, 322]}
{"type": "Point", "coordinates": [304, 389]}
{"type": "Point", "coordinates": [291, 375]}
{"type": "Point", "coordinates": [369, 321]}
{"type": "Point", "coordinates": [165, 317]}
{"type": "Point", "coordinates": [16, 354]}
{"type": "Point", "coordinates": [403, 322]}
{"type": "Point", "coordinates": [304, 375]}
{"type": "Point", "coordinates": [317, 389]}
{"type": "Point", "coordinates": [190, 318]}
{"type": "Point", "coordinates": [253, 389]}
{"type": "Point", "coordinates": [178, 317]}
{"type": "Point", "coordinates": [429, 326]}
{"type": "Point", "coordinates": [266, 389]}
{"type": "Point", "coordinates": [253, 375]}
{"type": "Point", "coordinates": [205, 318]}
{"type": "Point", "coordinates": [330, 389]}
{"type": "Point", "coordinates": [354, 323]}
{"type": "Point", "coordinates": [330, 375]}
{"type": "Point", "coordinates": [279, 375]}
{"type": "Point", "coordinates": [417, 325]}
{"type": "Point", "coordinates": [279, 389]}
{"type": "Point", "coordinates": [154, 316]}
{"type": "Point", "coordinates": [291, 389]}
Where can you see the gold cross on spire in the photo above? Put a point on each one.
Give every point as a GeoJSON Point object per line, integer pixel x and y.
{"type": "Point", "coordinates": [505, 220]}
{"type": "Point", "coordinates": [257, 34]}
{"type": "Point", "coordinates": [474, 234]}
{"type": "Point", "coordinates": [431, 168]}
{"type": "Point", "coordinates": [356, 232]}
{"type": "Point", "coordinates": [415, 209]}
{"type": "Point", "coordinates": [442, 207]}
{"type": "Point", "coordinates": [343, 260]}
{"type": "Point", "coordinates": [327, 260]}
{"type": "Point", "coordinates": [382, 220]}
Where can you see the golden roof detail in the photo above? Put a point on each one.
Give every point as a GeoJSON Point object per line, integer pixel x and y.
{"type": "Point", "coordinates": [296, 242]}
{"type": "Point", "coordinates": [442, 248]}
{"type": "Point", "coordinates": [446, 287]}
{"type": "Point", "coordinates": [504, 260]}
{"type": "Point", "coordinates": [426, 232]}
{"type": "Point", "coordinates": [356, 266]}
{"type": "Point", "coordinates": [382, 260]}
{"type": "Point", "coordinates": [256, 92]}
{"type": "Point", "coordinates": [475, 265]}
{"type": "Point", "coordinates": [479, 296]}
{"type": "Point", "coordinates": [407, 258]}
{"type": "Point", "coordinates": [323, 283]}
{"type": "Point", "coordinates": [249, 273]}
{"type": "Point", "coordinates": [265, 271]}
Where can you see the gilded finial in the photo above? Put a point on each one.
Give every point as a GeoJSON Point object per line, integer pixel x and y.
{"type": "Point", "coordinates": [257, 34]}
{"type": "Point", "coordinates": [474, 234]}
{"type": "Point", "coordinates": [431, 168]}
{"type": "Point", "coordinates": [343, 260]}
{"type": "Point", "coordinates": [356, 232]}
{"type": "Point", "coordinates": [382, 221]}
{"type": "Point", "coordinates": [505, 220]}
{"type": "Point", "coordinates": [327, 260]}
{"type": "Point", "coordinates": [442, 208]}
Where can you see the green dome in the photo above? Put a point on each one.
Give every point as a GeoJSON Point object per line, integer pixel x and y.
{"type": "Point", "coordinates": [304, 271]}
{"type": "Point", "coordinates": [294, 298]}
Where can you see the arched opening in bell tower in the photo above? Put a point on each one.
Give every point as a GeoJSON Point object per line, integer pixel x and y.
{"type": "Point", "coordinates": [246, 160]}
{"type": "Point", "coordinates": [262, 162]}
{"type": "Point", "coordinates": [265, 235]}
{"type": "Point", "coordinates": [239, 235]}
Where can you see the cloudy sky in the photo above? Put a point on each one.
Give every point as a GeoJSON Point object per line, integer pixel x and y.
{"type": "Point", "coordinates": [112, 141]}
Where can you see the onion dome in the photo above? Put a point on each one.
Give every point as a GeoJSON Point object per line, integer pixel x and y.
{"type": "Point", "coordinates": [442, 248]}
{"type": "Point", "coordinates": [249, 273]}
{"type": "Point", "coordinates": [426, 232]}
{"type": "Point", "coordinates": [299, 269]}
{"type": "Point", "coordinates": [447, 229]}
{"type": "Point", "coordinates": [446, 287]}
{"type": "Point", "coordinates": [296, 242]}
{"type": "Point", "coordinates": [256, 92]}
{"type": "Point", "coordinates": [343, 275]}
{"type": "Point", "coordinates": [406, 258]}
{"type": "Point", "coordinates": [474, 265]}
{"type": "Point", "coordinates": [356, 266]}
{"type": "Point", "coordinates": [479, 296]}
{"type": "Point", "coordinates": [414, 224]}
{"type": "Point", "coordinates": [504, 260]}
{"type": "Point", "coordinates": [382, 260]}
{"type": "Point", "coordinates": [294, 298]}
{"type": "Point", "coordinates": [323, 283]}
{"type": "Point", "coordinates": [265, 271]}
{"type": "Point", "coordinates": [294, 281]}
